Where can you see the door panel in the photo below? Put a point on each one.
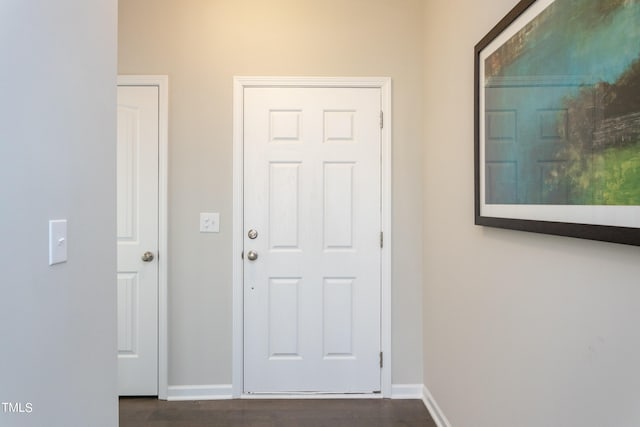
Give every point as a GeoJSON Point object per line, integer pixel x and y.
{"type": "Point", "coordinates": [312, 192]}
{"type": "Point", "coordinates": [137, 226]}
{"type": "Point", "coordinates": [284, 197]}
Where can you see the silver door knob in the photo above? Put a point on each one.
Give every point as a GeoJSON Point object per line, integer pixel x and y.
{"type": "Point", "coordinates": [252, 255]}
{"type": "Point", "coordinates": [147, 256]}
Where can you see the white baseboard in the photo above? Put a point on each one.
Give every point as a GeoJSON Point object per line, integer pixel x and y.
{"type": "Point", "coordinates": [199, 392]}
{"type": "Point", "coordinates": [406, 391]}
{"type": "Point", "coordinates": [225, 392]}
{"type": "Point", "coordinates": [435, 411]}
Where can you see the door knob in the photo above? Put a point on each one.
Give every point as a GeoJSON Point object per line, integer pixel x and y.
{"type": "Point", "coordinates": [147, 256]}
{"type": "Point", "coordinates": [252, 255]}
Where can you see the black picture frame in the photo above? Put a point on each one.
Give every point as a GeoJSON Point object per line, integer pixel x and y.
{"type": "Point", "coordinates": [519, 195]}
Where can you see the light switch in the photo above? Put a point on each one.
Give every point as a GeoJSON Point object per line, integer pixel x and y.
{"type": "Point", "coordinates": [57, 241]}
{"type": "Point", "coordinates": [209, 222]}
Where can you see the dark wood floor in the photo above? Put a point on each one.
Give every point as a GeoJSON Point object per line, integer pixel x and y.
{"type": "Point", "coordinates": [151, 412]}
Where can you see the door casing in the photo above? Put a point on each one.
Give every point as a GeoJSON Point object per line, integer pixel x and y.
{"type": "Point", "coordinates": [162, 83]}
{"type": "Point", "coordinates": [239, 84]}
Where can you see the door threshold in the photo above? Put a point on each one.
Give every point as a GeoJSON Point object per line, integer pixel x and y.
{"type": "Point", "coordinates": [311, 395]}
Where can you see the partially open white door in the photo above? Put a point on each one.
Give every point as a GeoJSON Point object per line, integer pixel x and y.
{"type": "Point", "coordinates": [312, 221]}
{"type": "Point", "coordinates": [137, 211]}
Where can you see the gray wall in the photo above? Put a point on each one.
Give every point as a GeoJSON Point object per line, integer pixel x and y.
{"type": "Point", "coordinates": [201, 45]}
{"type": "Point", "coordinates": [519, 329]}
{"type": "Point", "coordinates": [57, 160]}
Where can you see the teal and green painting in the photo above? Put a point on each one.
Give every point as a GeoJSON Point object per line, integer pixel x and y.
{"type": "Point", "coordinates": [562, 108]}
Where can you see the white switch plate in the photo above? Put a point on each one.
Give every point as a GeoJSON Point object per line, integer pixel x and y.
{"type": "Point", "coordinates": [209, 222]}
{"type": "Point", "coordinates": [57, 241]}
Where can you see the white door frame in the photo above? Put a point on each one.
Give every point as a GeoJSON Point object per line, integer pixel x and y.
{"type": "Point", "coordinates": [239, 84]}
{"type": "Point", "coordinates": [162, 83]}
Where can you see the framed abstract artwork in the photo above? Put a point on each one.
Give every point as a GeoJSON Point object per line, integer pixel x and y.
{"type": "Point", "coordinates": [557, 120]}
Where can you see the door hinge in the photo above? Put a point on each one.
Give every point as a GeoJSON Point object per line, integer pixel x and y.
{"type": "Point", "coordinates": [381, 361]}
{"type": "Point", "coordinates": [381, 120]}
{"type": "Point", "coordinates": [381, 239]}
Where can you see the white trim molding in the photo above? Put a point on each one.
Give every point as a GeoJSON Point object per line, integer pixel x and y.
{"type": "Point", "coordinates": [162, 83]}
{"type": "Point", "coordinates": [239, 84]}
{"type": "Point", "coordinates": [406, 391]}
{"type": "Point", "coordinates": [200, 392]}
{"type": "Point", "coordinates": [433, 408]}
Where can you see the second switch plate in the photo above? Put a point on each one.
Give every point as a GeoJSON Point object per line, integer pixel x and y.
{"type": "Point", "coordinates": [209, 222]}
{"type": "Point", "coordinates": [57, 241]}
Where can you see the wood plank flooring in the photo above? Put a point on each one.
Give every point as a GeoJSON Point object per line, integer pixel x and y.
{"type": "Point", "coordinates": [135, 412]}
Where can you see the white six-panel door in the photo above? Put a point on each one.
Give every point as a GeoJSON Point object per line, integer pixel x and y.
{"type": "Point", "coordinates": [312, 195]}
{"type": "Point", "coordinates": [137, 227]}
